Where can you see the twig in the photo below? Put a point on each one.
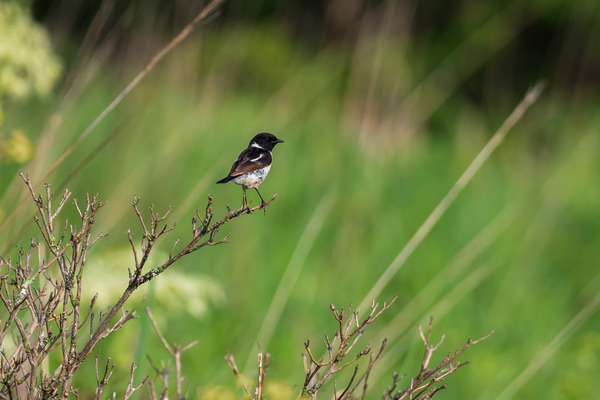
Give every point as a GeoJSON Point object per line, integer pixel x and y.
{"type": "Point", "coordinates": [236, 371]}
{"type": "Point", "coordinates": [158, 332]}
{"type": "Point", "coordinates": [163, 374]}
{"type": "Point", "coordinates": [108, 370]}
{"type": "Point", "coordinates": [262, 367]}
{"type": "Point", "coordinates": [422, 387]}
{"type": "Point", "coordinates": [131, 389]}
{"type": "Point", "coordinates": [349, 331]}
{"type": "Point", "coordinates": [175, 352]}
{"type": "Point", "coordinates": [55, 316]}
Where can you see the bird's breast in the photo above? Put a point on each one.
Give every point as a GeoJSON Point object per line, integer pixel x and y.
{"type": "Point", "coordinates": [251, 180]}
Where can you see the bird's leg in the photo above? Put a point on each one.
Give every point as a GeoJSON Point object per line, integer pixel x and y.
{"type": "Point", "coordinates": [244, 201]}
{"type": "Point", "coordinates": [262, 202]}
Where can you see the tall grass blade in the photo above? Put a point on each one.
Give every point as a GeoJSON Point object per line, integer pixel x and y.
{"type": "Point", "coordinates": [530, 98]}
{"type": "Point", "coordinates": [546, 354]}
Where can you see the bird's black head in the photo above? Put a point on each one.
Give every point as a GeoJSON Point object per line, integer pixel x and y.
{"type": "Point", "coordinates": [265, 141]}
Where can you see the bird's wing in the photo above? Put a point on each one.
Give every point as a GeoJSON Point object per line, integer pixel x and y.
{"type": "Point", "coordinates": [250, 160]}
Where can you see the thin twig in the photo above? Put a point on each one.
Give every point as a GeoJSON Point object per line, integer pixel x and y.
{"type": "Point", "coordinates": [175, 351]}
{"type": "Point", "coordinates": [423, 386]}
{"type": "Point", "coordinates": [159, 333]}
{"type": "Point", "coordinates": [236, 371]}
{"type": "Point", "coordinates": [131, 389]}
{"type": "Point", "coordinates": [344, 341]}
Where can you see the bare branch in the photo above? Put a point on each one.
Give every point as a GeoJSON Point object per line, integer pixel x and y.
{"type": "Point", "coordinates": [236, 371]}
{"type": "Point", "coordinates": [108, 370]}
{"type": "Point", "coordinates": [348, 333]}
{"type": "Point", "coordinates": [423, 386]}
{"type": "Point", "coordinates": [159, 333]}
{"type": "Point", "coordinates": [131, 389]}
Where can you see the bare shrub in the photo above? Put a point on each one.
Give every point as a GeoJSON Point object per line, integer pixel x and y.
{"type": "Point", "coordinates": [343, 352]}
{"type": "Point", "coordinates": [42, 298]}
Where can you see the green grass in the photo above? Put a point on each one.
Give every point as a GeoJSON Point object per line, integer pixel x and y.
{"type": "Point", "coordinates": [185, 124]}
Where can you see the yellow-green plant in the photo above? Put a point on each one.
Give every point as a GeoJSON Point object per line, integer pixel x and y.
{"type": "Point", "coordinates": [27, 63]}
{"type": "Point", "coordinates": [27, 66]}
{"type": "Point", "coordinates": [17, 148]}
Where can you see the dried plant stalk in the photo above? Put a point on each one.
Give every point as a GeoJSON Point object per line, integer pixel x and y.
{"type": "Point", "coordinates": [42, 299]}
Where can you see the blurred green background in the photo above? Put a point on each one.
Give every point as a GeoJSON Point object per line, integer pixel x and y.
{"type": "Point", "coordinates": [382, 106]}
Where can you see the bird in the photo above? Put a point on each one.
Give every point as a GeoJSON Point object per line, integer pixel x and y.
{"type": "Point", "coordinates": [253, 164]}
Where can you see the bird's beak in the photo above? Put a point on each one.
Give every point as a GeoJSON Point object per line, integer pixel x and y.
{"type": "Point", "coordinates": [279, 141]}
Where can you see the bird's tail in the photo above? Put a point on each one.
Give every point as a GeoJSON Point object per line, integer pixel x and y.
{"type": "Point", "coordinates": [226, 179]}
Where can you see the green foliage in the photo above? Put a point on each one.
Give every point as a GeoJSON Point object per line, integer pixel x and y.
{"type": "Point", "coordinates": [384, 136]}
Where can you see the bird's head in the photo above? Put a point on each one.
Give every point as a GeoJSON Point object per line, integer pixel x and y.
{"type": "Point", "coordinates": [265, 140]}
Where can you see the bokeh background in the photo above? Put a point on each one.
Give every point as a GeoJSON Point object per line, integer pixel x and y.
{"type": "Point", "coordinates": [382, 106]}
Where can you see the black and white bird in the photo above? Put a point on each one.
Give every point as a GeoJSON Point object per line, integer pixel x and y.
{"type": "Point", "coordinates": [253, 164]}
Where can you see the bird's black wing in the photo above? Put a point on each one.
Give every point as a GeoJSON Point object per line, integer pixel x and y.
{"type": "Point", "coordinates": [250, 160]}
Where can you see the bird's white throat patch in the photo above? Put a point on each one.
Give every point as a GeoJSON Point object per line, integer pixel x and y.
{"type": "Point", "coordinates": [251, 180]}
